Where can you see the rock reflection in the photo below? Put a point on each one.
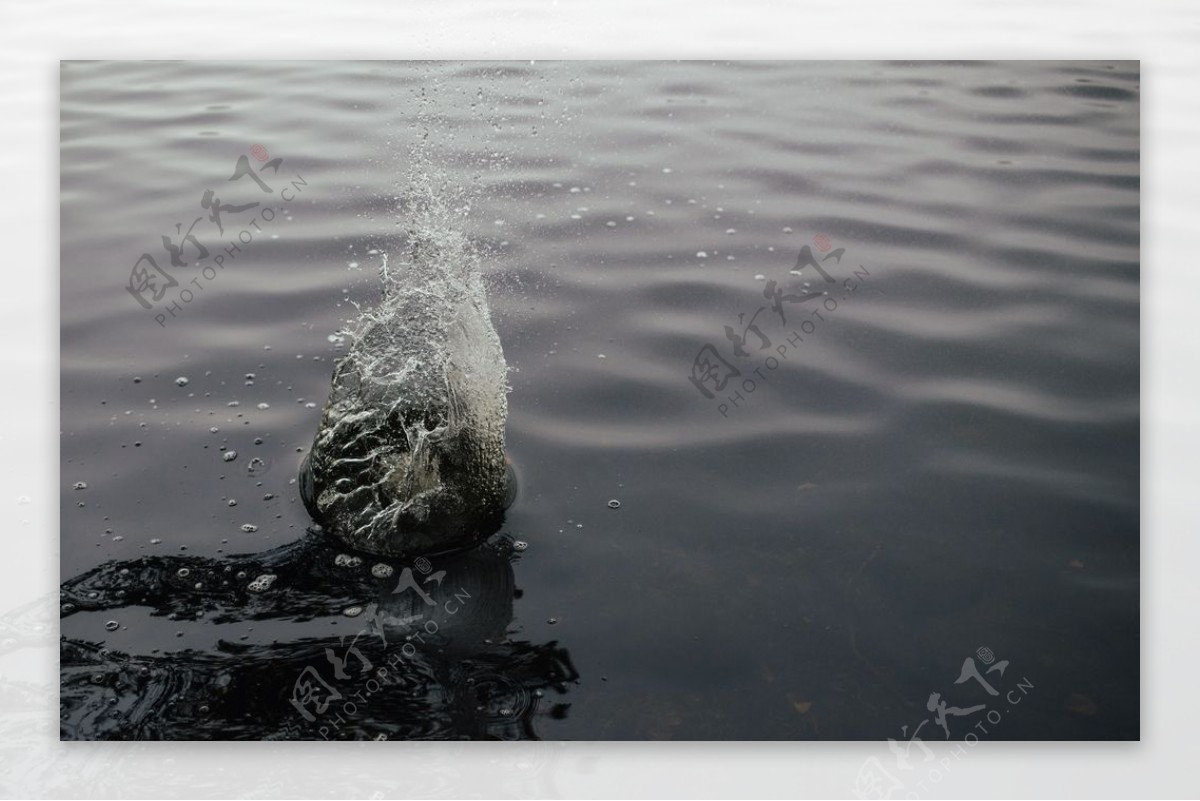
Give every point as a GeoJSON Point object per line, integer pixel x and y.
{"type": "Point", "coordinates": [426, 656]}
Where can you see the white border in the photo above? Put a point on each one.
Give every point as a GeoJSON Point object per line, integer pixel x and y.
{"type": "Point", "coordinates": [1164, 35]}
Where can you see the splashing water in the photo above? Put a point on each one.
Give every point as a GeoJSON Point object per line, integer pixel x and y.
{"type": "Point", "coordinates": [409, 458]}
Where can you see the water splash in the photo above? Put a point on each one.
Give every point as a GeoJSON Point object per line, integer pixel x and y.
{"type": "Point", "coordinates": [409, 457]}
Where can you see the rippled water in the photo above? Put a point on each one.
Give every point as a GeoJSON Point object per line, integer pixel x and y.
{"type": "Point", "coordinates": [932, 464]}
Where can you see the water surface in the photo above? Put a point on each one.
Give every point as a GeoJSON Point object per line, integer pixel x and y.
{"type": "Point", "coordinates": [943, 460]}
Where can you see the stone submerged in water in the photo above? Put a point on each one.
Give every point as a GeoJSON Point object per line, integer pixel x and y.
{"type": "Point", "coordinates": [409, 458]}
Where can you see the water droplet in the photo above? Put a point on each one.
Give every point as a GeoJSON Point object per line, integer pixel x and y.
{"type": "Point", "coordinates": [249, 528]}
{"type": "Point", "coordinates": [700, 254]}
{"type": "Point", "coordinates": [346, 560]}
{"type": "Point", "coordinates": [79, 485]}
{"type": "Point", "coordinates": [182, 381]}
{"type": "Point", "coordinates": [614, 504]}
{"type": "Point", "coordinates": [520, 545]}
{"type": "Point", "coordinates": [552, 620]}
{"type": "Point", "coordinates": [760, 277]}
{"type": "Point", "coordinates": [155, 541]}
{"type": "Point", "coordinates": [112, 625]}
{"type": "Point", "coordinates": [264, 406]}
{"type": "Point", "coordinates": [229, 456]}
{"type": "Point", "coordinates": [262, 583]}
{"type": "Point", "coordinates": [183, 572]}
{"type": "Point", "coordinates": [352, 611]}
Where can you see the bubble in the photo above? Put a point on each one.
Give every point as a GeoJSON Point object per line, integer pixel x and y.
{"type": "Point", "coordinates": [112, 625]}
{"type": "Point", "coordinates": [614, 504]}
{"type": "Point", "coordinates": [382, 571]}
{"type": "Point", "coordinates": [137, 379]}
{"type": "Point", "coordinates": [552, 620]}
{"type": "Point", "coordinates": [155, 541]}
{"type": "Point", "coordinates": [182, 381]}
{"type": "Point", "coordinates": [249, 528]}
{"type": "Point", "coordinates": [520, 545]}
{"type": "Point", "coordinates": [229, 456]}
{"type": "Point", "coordinates": [79, 485]}
{"type": "Point", "coordinates": [183, 572]}
{"type": "Point", "coordinates": [263, 406]}
{"type": "Point", "coordinates": [700, 254]}
{"type": "Point", "coordinates": [233, 502]}
{"type": "Point", "coordinates": [760, 277]}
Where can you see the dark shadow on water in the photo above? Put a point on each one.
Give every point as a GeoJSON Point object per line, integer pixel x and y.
{"type": "Point", "coordinates": [427, 657]}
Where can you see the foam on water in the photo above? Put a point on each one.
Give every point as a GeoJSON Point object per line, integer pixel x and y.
{"type": "Point", "coordinates": [409, 457]}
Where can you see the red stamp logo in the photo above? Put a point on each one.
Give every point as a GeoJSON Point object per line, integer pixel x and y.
{"type": "Point", "coordinates": [259, 152]}
{"type": "Point", "coordinates": [822, 243]}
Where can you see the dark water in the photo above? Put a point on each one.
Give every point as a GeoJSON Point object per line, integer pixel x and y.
{"type": "Point", "coordinates": [940, 455]}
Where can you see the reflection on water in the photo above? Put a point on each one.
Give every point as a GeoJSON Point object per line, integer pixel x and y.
{"type": "Point", "coordinates": [426, 656]}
